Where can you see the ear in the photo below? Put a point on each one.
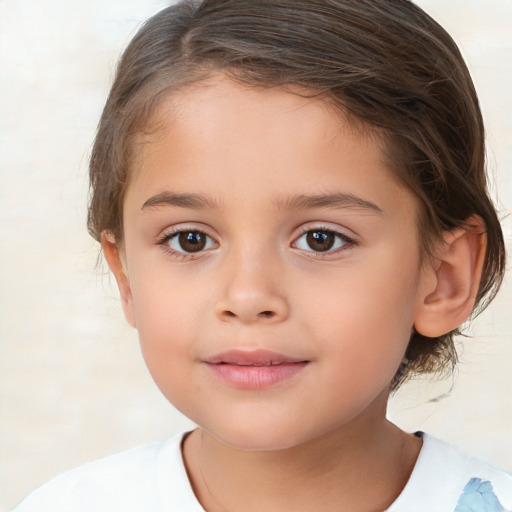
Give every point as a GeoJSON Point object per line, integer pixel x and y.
{"type": "Point", "coordinates": [456, 276]}
{"type": "Point", "coordinates": [115, 262]}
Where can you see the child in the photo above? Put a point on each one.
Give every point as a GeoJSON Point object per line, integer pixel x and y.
{"type": "Point", "coordinates": [291, 196]}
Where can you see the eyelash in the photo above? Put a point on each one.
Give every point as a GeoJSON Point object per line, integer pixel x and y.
{"type": "Point", "coordinates": [347, 242]}
{"type": "Point", "coordinates": [183, 255]}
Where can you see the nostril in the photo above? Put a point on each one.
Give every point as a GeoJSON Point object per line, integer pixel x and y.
{"type": "Point", "coordinates": [266, 314]}
{"type": "Point", "coordinates": [229, 313]}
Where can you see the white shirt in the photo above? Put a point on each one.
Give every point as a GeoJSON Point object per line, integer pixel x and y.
{"type": "Point", "coordinates": [153, 478]}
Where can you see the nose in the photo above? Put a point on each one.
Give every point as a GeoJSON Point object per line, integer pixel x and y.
{"type": "Point", "coordinates": [252, 291]}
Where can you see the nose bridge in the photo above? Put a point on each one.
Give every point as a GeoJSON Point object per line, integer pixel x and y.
{"type": "Point", "coordinates": [252, 289]}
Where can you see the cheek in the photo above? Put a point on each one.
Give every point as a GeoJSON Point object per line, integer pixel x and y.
{"type": "Point", "coordinates": [167, 300]}
{"type": "Point", "coordinates": [365, 317]}
{"type": "Point", "coordinates": [163, 318]}
{"type": "Point", "coordinates": [165, 334]}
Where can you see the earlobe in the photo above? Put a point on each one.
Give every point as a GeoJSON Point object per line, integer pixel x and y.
{"type": "Point", "coordinates": [117, 267]}
{"type": "Point", "coordinates": [457, 270]}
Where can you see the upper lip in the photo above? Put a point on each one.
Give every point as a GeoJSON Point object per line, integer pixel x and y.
{"type": "Point", "coordinates": [252, 358]}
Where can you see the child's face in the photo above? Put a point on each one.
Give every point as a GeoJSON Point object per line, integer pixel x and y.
{"type": "Point", "coordinates": [257, 220]}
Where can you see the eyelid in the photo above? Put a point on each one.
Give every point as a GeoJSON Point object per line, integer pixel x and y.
{"type": "Point", "coordinates": [350, 240]}
{"type": "Point", "coordinates": [173, 231]}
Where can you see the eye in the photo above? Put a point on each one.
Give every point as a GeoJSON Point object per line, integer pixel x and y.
{"type": "Point", "coordinates": [322, 240]}
{"type": "Point", "coordinates": [188, 241]}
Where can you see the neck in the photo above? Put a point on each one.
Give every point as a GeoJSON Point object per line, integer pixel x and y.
{"type": "Point", "coordinates": [347, 469]}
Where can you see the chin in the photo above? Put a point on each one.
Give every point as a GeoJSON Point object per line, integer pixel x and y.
{"type": "Point", "coordinates": [258, 437]}
{"type": "Point", "coordinates": [256, 443]}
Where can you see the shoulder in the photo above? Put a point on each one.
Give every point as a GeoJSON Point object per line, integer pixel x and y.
{"type": "Point", "coordinates": [445, 479]}
{"type": "Point", "coordinates": [150, 477]}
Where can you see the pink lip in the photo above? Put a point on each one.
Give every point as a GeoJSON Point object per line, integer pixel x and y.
{"type": "Point", "coordinates": [256, 369]}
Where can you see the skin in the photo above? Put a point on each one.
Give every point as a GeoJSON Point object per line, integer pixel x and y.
{"type": "Point", "coordinates": [347, 312]}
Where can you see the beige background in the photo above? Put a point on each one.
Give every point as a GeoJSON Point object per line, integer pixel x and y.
{"type": "Point", "coordinates": [73, 385]}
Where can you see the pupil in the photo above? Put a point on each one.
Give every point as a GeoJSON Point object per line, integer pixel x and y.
{"type": "Point", "coordinates": [320, 240]}
{"type": "Point", "coordinates": [192, 241]}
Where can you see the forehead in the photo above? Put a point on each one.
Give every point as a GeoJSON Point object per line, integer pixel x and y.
{"type": "Point", "coordinates": [223, 133]}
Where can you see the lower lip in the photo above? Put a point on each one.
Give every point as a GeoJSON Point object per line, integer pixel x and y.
{"type": "Point", "coordinates": [255, 377]}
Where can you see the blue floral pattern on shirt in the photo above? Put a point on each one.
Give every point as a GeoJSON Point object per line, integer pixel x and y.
{"type": "Point", "coordinates": [478, 496]}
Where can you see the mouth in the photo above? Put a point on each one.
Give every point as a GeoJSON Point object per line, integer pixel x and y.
{"type": "Point", "coordinates": [258, 369]}
{"type": "Point", "coordinates": [252, 358]}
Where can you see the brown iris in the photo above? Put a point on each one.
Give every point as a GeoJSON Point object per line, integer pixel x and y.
{"type": "Point", "coordinates": [320, 241]}
{"type": "Point", "coordinates": [192, 241]}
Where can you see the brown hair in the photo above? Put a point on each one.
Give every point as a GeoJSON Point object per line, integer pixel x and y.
{"type": "Point", "coordinates": [385, 62]}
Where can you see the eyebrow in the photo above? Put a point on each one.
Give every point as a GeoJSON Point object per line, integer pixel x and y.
{"type": "Point", "coordinates": [338, 200]}
{"type": "Point", "coordinates": [192, 201]}
{"type": "Point", "coordinates": [296, 202]}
